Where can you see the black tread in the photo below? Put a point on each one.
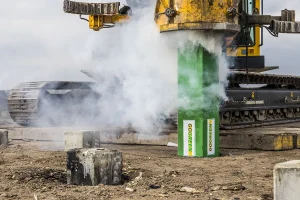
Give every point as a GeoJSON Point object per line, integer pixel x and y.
{"type": "Point", "coordinates": [258, 78]}
{"type": "Point", "coordinates": [23, 100]}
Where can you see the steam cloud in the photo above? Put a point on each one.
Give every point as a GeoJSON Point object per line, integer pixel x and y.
{"type": "Point", "coordinates": [136, 68]}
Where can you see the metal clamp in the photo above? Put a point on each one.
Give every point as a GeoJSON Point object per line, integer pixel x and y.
{"type": "Point", "coordinates": [291, 100]}
{"type": "Point", "coordinates": [245, 101]}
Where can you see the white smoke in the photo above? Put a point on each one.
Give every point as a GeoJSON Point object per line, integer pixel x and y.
{"type": "Point", "coordinates": [137, 68]}
{"type": "Point", "coordinates": [208, 98]}
{"type": "Point", "coordinates": [144, 63]}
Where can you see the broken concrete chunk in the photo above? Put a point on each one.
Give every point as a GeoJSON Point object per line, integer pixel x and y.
{"type": "Point", "coordinates": [287, 180]}
{"type": "Point", "coordinates": [94, 167]}
{"type": "Point", "coordinates": [172, 144]}
{"type": "Point", "coordinates": [232, 187]}
{"type": "Point", "coordinates": [189, 190]}
{"type": "Point", "coordinates": [129, 189]}
{"type": "Point", "coordinates": [81, 139]}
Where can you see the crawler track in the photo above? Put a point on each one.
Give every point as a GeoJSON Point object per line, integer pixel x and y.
{"type": "Point", "coordinates": [278, 103]}
{"type": "Point", "coordinates": [25, 102]}
{"type": "Point", "coordinates": [258, 78]}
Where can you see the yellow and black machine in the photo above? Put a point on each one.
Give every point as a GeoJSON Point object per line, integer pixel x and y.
{"type": "Point", "coordinates": [243, 23]}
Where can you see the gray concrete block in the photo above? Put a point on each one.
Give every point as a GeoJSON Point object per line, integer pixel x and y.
{"type": "Point", "coordinates": [94, 166]}
{"type": "Point", "coordinates": [3, 137]}
{"type": "Point", "coordinates": [287, 180]}
{"type": "Point", "coordinates": [81, 139]}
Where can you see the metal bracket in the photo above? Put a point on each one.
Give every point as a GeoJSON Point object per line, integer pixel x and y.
{"type": "Point", "coordinates": [245, 101]}
{"type": "Point", "coordinates": [291, 100]}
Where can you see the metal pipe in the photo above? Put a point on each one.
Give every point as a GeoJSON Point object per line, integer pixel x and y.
{"type": "Point", "coordinates": [261, 36]}
{"type": "Point", "coordinates": [83, 18]}
{"type": "Point", "coordinates": [261, 28]}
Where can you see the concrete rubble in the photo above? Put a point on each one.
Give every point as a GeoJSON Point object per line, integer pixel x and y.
{"type": "Point", "coordinates": [81, 139]}
{"type": "Point", "coordinates": [287, 180]}
{"type": "Point", "coordinates": [94, 167]}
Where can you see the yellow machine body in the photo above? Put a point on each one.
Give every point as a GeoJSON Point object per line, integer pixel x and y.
{"type": "Point", "coordinates": [253, 49]}
{"type": "Point", "coordinates": [171, 15]}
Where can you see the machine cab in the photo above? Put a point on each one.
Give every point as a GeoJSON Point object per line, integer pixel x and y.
{"type": "Point", "coordinates": [237, 46]}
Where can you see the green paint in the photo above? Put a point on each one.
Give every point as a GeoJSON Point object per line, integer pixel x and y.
{"type": "Point", "coordinates": [198, 85]}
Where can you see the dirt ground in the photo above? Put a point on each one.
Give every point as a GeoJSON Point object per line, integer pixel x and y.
{"type": "Point", "coordinates": [33, 170]}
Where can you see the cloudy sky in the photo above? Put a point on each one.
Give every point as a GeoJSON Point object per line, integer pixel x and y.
{"type": "Point", "coordinates": [40, 42]}
{"type": "Point", "coordinates": [282, 51]}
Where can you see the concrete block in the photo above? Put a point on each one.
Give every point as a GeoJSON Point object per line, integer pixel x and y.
{"type": "Point", "coordinates": [81, 139]}
{"type": "Point", "coordinates": [110, 135]}
{"type": "Point", "coordinates": [3, 137]}
{"type": "Point", "coordinates": [55, 134]}
{"type": "Point", "coordinates": [137, 138]}
{"type": "Point", "coordinates": [94, 166]}
{"type": "Point", "coordinates": [287, 180]}
{"type": "Point", "coordinates": [257, 141]}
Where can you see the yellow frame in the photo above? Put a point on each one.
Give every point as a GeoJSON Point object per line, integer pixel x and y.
{"type": "Point", "coordinates": [96, 22]}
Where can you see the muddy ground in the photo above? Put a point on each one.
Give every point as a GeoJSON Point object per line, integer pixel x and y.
{"type": "Point", "coordinates": [35, 170]}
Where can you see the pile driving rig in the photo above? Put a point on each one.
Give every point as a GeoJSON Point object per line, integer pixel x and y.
{"type": "Point", "coordinates": [278, 101]}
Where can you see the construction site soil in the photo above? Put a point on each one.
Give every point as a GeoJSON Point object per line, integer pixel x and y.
{"type": "Point", "coordinates": [37, 170]}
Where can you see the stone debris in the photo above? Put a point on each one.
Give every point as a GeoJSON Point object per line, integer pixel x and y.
{"type": "Point", "coordinates": [136, 179]}
{"type": "Point", "coordinates": [172, 144]}
{"type": "Point", "coordinates": [189, 190]}
{"type": "Point", "coordinates": [163, 195]}
{"type": "Point", "coordinates": [232, 187]}
{"type": "Point", "coordinates": [152, 186]}
{"type": "Point", "coordinates": [129, 189]}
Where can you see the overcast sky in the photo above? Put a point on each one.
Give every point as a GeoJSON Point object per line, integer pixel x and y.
{"type": "Point", "coordinates": [40, 42]}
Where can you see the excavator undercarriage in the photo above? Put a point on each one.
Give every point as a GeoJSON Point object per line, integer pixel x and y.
{"type": "Point", "coordinates": [276, 101]}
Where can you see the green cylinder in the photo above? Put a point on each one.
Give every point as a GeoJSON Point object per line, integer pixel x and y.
{"type": "Point", "coordinates": [198, 110]}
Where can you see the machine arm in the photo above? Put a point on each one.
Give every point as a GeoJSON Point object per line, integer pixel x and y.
{"type": "Point", "coordinates": [276, 24]}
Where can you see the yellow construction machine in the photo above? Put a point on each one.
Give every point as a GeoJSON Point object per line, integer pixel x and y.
{"type": "Point", "coordinates": [241, 21]}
